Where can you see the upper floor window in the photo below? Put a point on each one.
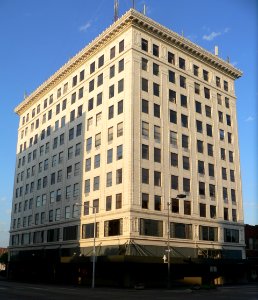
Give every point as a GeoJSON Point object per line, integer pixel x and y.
{"type": "Point", "coordinates": [112, 52]}
{"type": "Point", "coordinates": [195, 70]}
{"type": "Point", "coordinates": [205, 75]}
{"type": "Point", "coordinates": [181, 63]}
{"type": "Point", "coordinates": [92, 67]}
{"type": "Point", "coordinates": [171, 58]}
{"type": "Point", "coordinates": [225, 85]}
{"type": "Point", "coordinates": [155, 50]}
{"type": "Point", "coordinates": [101, 61]}
{"type": "Point", "coordinates": [74, 81]}
{"type": "Point", "coordinates": [218, 83]}
{"type": "Point", "coordinates": [144, 45]}
{"type": "Point", "coordinates": [121, 46]}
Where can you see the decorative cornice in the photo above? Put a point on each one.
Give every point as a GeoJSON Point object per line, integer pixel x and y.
{"type": "Point", "coordinates": [132, 17]}
{"type": "Point", "coordinates": [184, 44]}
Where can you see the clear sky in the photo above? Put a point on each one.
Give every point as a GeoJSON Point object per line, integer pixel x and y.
{"type": "Point", "coordinates": [38, 36]}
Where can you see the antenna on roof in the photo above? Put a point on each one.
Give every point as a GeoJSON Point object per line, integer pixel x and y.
{"type": "Point", "coordinates": [182, 33]}
{"type": "Point", "coordinates": [216, 50]}
{"type": "Point", "coordinates": [228, 59]}
{"type": "Point", "coordinates": [115, 10]}
{"type": "Point", "coordinates": [144, 9]}
{"type": "Point", "coordinates": [133, 4]}
{"type": "Point", "coordinates": [25, 95]}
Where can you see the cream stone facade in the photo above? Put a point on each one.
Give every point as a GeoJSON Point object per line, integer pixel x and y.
{"type": "Point", "coordinates": [138, 117]}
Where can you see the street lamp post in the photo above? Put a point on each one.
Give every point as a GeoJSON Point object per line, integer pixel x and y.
{"type": "Point", "coordinates": [94, 246]}
{"type": "Point", "coordinates": [180, 196]}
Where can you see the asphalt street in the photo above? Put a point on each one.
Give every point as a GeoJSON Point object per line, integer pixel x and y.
{"type": "Point", "coordinates": [20, 291]}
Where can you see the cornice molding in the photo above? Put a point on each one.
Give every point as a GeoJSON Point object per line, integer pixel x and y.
{"type": "Point", "coordinates": [130, 18]}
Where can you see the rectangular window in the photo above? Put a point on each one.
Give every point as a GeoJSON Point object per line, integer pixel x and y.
{"type": "Point", "coordinates": [171, 76]}
{"type": "Point", "coordinates": [155, 69]}
{"type": "Point", "coordinates": [205, 75]}
{"type": "Point", "coordinates": [208, 111]}
{"type": "Point", "coordinates": [202, 208]}
{"type": "Point", "coordinates": [145, 200]}
{"type": "Point", "coordinates": [145, 85]}
{"type": "Point", "coordinates": [101, 61]}
{"type": "Point", "coordinates": [174, 159]}
{"type": "Point", "coordinates": [155, 89]}
{"type": "Point", "coordinates": [120, 87]}
{"type": "Point", "coordinates": [112, 71]}
{"type": "Point", "coordinates": [196, 70]}
{"type": "Point", "coordinates": [109, 179]}
{"type": "Point", "coordinates": [144, 45]}
{"type": "Point", "coordinates": [208, 233]}
{"type": "Point", "coordinates": [88, 144]}
{"type": "Point", "coordinates": [120, 107]}
{"type": "Point", "coordinates": [121, 65]}
{"type": "Point", "coordinates": [212, 191]}
{"type": "Point", "coordinates": [186, 163]}
{"type": "Point", "coordinates": [145, 129]}
{"type": "Point", "coordinates": [118, 201]}
{"type": "Point", "coordinates": [145, 151]}
{"type": "Point", "coordinates": [225, 85]}
{"type": "Point", "coordinates": [150, 227]}
{"type": "Point", "coordinates": [119, 176]}
{"type": "Point", "coordinates": [231, 235]}
{"type": "Point", "coordinates": [186, 185]}
{"type": "Point", "coordinates": [155, 50]}
{"type": "Point", "coordinates": [181, 231]}
{"type": "Point", "coordinates": [157, 202]}
{"type": "Point", "coordinates": [209, 130]}
{"type": "Point", "coordinates": [88, 230]}
{"type": "Point", "coordinates": [97, 140]}
{"type": "Point", "coordinates": [171, 58]}
{"type": "Point", "coordinates": [145, 176]}
{"type": "Point", "coordinates": [108, 203]}
{"type": "Point", "coordinates": [174, 182]}
{"type": "Point", "coordinates": [202, 188]}
{"type": "Point", "coordinates": [212, 211]}
{"type": "Point", "coordinates": [181, 63]}
{"type": "Point", "coordinates": [144, 64]}
{"type": "Point", "coordinates": [173, 116]}
{"type": "Point", "coordinates": [206, 93]}
{"type": "Point", "coordinates": [157, 155]}
{"type": "Point", "coordinates": [156, 110]}
{"type": "Point", "coordinates": [173, 138]}
{"type": "Point", "coordinates": [113, 227]}
{"type": "Point", "coordinates": [199, 126]}
{"type": "Point", "coordinates": [185, 141]}
{"type": "Point", "coordinates": [111, 112]}
{"type": "Point", "coordinates": [145, 106]}
{"type": "Point", "coordinates": [157, 133]}
{"type": "Point", "coordinates": [172, 96]}
{"type": "Point", "coordinates": [99, 99]}
{"type": "Point", "coordinates": [182, 82]}
{"type": "Point", "coordinates": [99, 80]}
{"type": "Point", "coordinates": [91, 85]}
{"type": "Point", "coordinates": [112, 52]}
{"type": "Point", "coordinates": [119, 152]}
{"type": "Point", "coordinates": [121, 46]}
{"type": "Point", "coordinates": [119, 129]}
{"type": "Point", "coordinates": [184, 121]}
{"type": "Point", "coordinates": [109, 156]}
{"type": "Point", "coordinates": [96, 183]}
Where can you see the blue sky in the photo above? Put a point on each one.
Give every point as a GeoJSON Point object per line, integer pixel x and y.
{"type": "Point", "coordinates": [38, 37]}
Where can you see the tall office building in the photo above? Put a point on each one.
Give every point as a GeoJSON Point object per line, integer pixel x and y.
{"type": "Point", "coordinates": [139, 130]}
